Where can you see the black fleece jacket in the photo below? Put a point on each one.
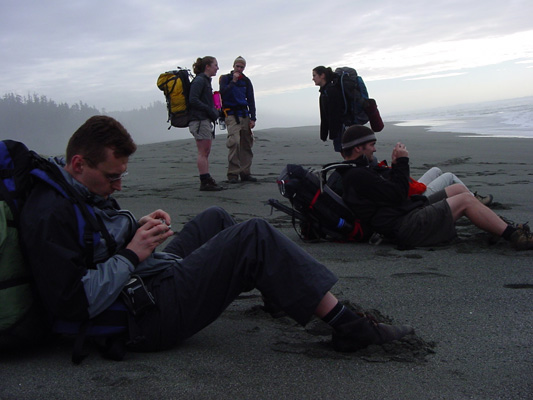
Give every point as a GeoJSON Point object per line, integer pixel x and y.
{"type": "Point", "coordinates": [332, 115]}
{"type": "Point", "coordinates": [378, 196]}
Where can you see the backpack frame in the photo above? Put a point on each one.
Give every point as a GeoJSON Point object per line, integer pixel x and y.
{"type": "Point", "coordinates": [317, 212]}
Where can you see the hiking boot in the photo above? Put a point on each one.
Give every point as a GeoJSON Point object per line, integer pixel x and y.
{"type": "Point", "coordinates": [365, 331]}
{"type": "Point", "coordinates": [485, 200]}
{"type": "Point", "coordinates": [248, 178]}
{"type": "Point", "coordinates": [524, 226]}
{"type": "Point", "coordinates": [522, 239]}
{"type": "Point", "coordinates": [493, 239]}
{"type": "Point", "coordinates": [209, 185]}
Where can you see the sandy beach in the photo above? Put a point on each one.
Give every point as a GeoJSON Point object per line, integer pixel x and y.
{"type": "Point", "coordinates": [469, 302]}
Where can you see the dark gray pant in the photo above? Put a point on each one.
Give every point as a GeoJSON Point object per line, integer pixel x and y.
{"type": "Point", "coordinates": [222, 259]}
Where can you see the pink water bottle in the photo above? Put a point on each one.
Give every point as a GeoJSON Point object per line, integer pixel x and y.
{"type": "Point", "coordinates": [217, 100]}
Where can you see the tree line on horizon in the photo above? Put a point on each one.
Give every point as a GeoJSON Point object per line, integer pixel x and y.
{"type": "Point", "coordinates": [45, 125]}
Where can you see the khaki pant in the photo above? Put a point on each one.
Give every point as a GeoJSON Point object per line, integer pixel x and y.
{"type": "Point", "coordinates": [240, 141]}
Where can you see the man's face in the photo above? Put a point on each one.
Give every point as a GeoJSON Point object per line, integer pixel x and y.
{"type": "Point", "coordinates": [239, 67]}
{"type": "Point", "coordinates": [368, 149]}
{"type": "Point", "coordinates": [106, 177]}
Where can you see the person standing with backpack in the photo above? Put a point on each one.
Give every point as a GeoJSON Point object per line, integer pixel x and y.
{"type": "Point", "coordinates": [331, 104]}
{"type": "Point", "coordinates": [340, 107]}
{"type": "Point", "coordinates": [238, 103]}
{"type": "Point", "coordinates": [203, 116]}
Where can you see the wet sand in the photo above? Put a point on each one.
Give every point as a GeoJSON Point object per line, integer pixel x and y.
{"type": "Point", "coordinates": [470, 302]}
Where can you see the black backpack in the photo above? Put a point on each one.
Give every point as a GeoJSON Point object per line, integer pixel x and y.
{"type": "Point", "coordinates": [317, 212]}
{"type": "Point", "coordinates": [358, 107]}
{"type": "Point", "coordinates": [23, 321]}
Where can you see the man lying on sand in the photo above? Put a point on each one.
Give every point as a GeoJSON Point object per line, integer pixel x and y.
{"type": "Point", "coordinates": [202, 270]}
{"type": "Point", "coordinates": [381, 200]}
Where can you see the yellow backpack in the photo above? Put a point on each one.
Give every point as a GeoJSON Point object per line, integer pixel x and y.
{"type": "Point", "coordinates": [176, 86]}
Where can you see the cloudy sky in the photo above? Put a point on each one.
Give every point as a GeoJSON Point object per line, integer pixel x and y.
{"type": "Point", "coordinates": [412, 54]}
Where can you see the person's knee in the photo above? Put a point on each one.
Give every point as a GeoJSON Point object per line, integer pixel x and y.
{"type": "Point", "coordinates": [202, 154]}
{"type": "Point", "coordinates": [436, 171]}
{"type": "Point", "coordinates": [459, 188]}
{"type": "Point", "coordinates": [466, 200]}
{"type": "Point", "coordinates": [258, 225]}
{"type": "Point", "coordinates": [232, 141]}
{"type": "Point", "coordinates": [447, 179]}
{"type": "Point", "coordinates": [218, 212]}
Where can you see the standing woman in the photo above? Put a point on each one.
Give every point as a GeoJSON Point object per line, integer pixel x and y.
{"type": "Point", "coordinates": [203, 115]}
{"type": "Point", "coordinates": [331, 105]}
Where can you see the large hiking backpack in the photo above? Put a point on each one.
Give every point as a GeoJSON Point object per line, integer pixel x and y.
{"type": "Point", "coordinates": [176, 86]}
{"type": "Point", "coordinates": [358, 107]}
{"type": "Point", "coordinates": [318, 211]}
{"type": "Point", "coordinates": [23, 321]}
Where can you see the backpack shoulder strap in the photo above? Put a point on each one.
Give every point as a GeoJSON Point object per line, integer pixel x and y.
{"type": "Point", "coordinates": [90, 226]}
{"type": "Point", "coordinates": [334, 166]}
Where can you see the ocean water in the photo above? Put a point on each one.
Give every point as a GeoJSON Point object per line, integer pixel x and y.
{"type": "Point", "coordinates": [503, 118]}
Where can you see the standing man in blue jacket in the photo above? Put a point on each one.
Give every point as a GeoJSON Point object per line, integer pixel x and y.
{"type": "Point", "coordinates": [239, 107]}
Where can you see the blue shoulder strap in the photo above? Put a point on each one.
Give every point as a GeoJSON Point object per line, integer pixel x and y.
{"type": "Point", "coordinates": [82, 211]}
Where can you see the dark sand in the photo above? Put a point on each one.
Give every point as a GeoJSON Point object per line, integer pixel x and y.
{"type": "Point", "coordinates": [470, 303]}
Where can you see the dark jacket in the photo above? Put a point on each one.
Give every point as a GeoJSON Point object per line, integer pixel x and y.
{"type": "Point", "coordinates": [69, 288]}
{"type": "Point", "coordinates": [238, 96]}
{"type": "Point", "coordinates": [201, 99]}
{"type": "Point", "coordinates": [378, 196]}
{"type": "Point", "coordinates": [332, 116]}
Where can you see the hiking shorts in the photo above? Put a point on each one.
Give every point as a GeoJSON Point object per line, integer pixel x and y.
{"type": "Point", "coordinates": [427, 226]}
{"type": "Point", "coordinates": [202, 130]}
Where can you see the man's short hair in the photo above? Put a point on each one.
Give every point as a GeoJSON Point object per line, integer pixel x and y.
{"type": "Point", "coordinates": [96, 135]}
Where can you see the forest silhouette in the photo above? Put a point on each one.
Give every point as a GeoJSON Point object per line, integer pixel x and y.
{"type": "Point", "coordinates": [45, 126]}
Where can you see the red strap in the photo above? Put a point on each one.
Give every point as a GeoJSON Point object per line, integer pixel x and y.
{"type": "Point", "coordinates": [315, 198]}
{"type": "Point", "coordinates": [357, 229]}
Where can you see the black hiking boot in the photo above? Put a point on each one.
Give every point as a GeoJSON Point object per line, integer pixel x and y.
{"type": "Point", "coordinates": [493, 239]}
{"type": "Point", "coordinates": [248, 178]}
{"type": "Point", "coordinates": [365, 331]}
{"type": "Point", "coordinates": [209, 185]}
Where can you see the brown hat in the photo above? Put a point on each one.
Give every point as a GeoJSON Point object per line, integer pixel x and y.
{"type": "Point", "coordinates": [357, 135]}
{"type": "Point", "coordinates": [239, 59]}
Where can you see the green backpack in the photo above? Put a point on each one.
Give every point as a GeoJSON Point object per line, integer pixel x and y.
{"type": "Point", "coordinates": [22, 320]}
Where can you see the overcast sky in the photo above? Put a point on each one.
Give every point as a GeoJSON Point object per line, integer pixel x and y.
{"type": "Point", "coordinates": [412, 54]}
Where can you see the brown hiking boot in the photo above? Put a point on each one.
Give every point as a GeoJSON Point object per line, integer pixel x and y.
{"type": "Point", "coordinates": [209, 185]}
{"type": "Point", "coordinates": [524, 226]}
{"type": "Point", "coordinates": [485, 200]}
{"type": "Point", "coordinates": [522, 239]}
{"type": "Point", "coordinates": [493, 239]}
{"type": "Point", "coordinates": [365, 331]}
